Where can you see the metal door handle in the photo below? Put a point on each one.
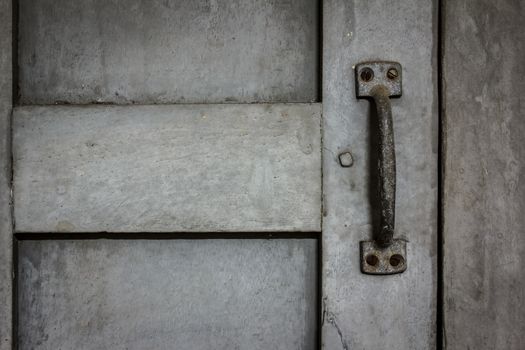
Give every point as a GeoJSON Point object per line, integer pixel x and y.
{"type": "Point", "coordinates": [379, 81]}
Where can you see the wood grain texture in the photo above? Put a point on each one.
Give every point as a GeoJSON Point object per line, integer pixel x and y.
{"type": "Point", "coordinates": [379, 312]}
{"type": "Point", "coordinates": [484, 184]}
{"type": "Point", "coordinates": [178, 168]}
{"type": "Point", "coordinates": [255, 294]}
{"type": "Point", "coordinates": [144, 52]}
{"type": "Point", "coordinates": [6, 238]}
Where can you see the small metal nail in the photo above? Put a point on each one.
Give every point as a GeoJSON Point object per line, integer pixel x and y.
{"type": "Point", "coordinates": [346, 160]}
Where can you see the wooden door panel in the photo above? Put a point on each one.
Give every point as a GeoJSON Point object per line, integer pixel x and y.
{"type": "Point", "coordinates": [132, 51]}
{"type": "Point", "coordinates": [170, 168]}
{"type": "Point", "coordinates": [167, 294]}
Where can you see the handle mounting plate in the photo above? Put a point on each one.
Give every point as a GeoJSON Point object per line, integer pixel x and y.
{"type": "Point", "coordinates": [372, 74]}
{"type": "Point", "coordinates": [377, 260]}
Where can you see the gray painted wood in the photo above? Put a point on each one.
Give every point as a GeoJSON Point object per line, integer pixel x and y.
{"type": "Point", "coordinates": [168, 51]}
{"type": "Point", "coordinates": [168, 294]}
{"type": "Point", "coordinates": [6, 239]}
{"type": "Point", "coordinates": [189, 168]}
{"type": "Point", "coordinates": [484, 159]}
{"type": "Point", "coordinates": [363, 311]}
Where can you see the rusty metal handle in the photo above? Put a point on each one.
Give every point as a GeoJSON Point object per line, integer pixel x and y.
{"type": "Point", "coordinates": [387, 165]}
{"type": "Point", "coordinates": [379, 81]}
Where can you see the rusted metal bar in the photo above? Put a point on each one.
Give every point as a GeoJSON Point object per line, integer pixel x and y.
{"type": "Point", "coordinates": [387, 165]}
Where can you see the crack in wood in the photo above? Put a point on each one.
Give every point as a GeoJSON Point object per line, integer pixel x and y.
{"type": "Point", "coordinates": [332, 320]}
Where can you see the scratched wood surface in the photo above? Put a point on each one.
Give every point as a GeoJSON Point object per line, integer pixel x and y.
{"type": "Point", "coordinates": [484, 190]}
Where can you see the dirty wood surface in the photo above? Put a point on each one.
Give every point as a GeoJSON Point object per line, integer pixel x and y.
{"type": "Point", "coordinates": [131, 51]}
{"type": "Point", "coordinates": [170, 168]}
{"type": "Point", "coordinates": [168, 294]}
{"type": "Point", "coordinates": [6, 238]}
{"type": "Point", "coordinates": [484, 185]}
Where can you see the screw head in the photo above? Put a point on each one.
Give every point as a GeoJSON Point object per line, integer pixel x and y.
{"type": "Point", "coordinates": [366, 74]}
{"type": "Point", "coordinates": [392, 73]}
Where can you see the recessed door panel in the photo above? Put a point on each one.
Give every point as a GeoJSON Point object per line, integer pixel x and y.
{"type": "Point", "coordinates": [199, 51]}
{"type": "Point", "coordinates": [167, 294]}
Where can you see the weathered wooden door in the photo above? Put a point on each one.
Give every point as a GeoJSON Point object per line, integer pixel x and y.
{"type": "Point", "coordinates": [199, 174]}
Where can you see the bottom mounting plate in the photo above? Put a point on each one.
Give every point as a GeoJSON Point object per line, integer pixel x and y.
{"type": "Point", "coordinates": [377, 260]}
